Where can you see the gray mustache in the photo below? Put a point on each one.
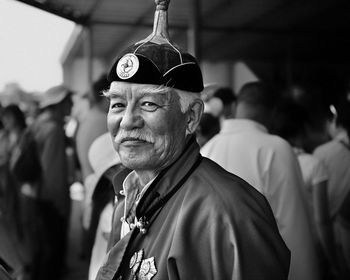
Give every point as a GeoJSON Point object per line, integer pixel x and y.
{"type": "Point", "coordinates": [123, 136]}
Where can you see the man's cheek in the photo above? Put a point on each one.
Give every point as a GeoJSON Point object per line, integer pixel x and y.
{"type": "Point", "coordinates": [112, 125]}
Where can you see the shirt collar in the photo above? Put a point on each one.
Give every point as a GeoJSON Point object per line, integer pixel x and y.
{"type": "Point", "coordinates": [133, 191]}
{"type": "Point", "coordinates": [298, 151]}
{"type": "Point", "coordinates": [342, 136]}
{"type": "Point", "coordinates": [132, 184]}
{"type": "Point", "coordinates": [236, 125]}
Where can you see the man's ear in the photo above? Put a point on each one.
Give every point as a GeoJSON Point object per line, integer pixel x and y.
{"type": "Point", "coordinates": [194, 115]}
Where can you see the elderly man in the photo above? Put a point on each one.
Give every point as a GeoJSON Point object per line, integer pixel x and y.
{"type": "Point", "coordinates": [183, 216]}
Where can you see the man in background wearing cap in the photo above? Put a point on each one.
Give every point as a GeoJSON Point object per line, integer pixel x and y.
{"type": "Point", "coordinates": [53, 192]}
{"type": "Point", "coordinates": [183, 216]}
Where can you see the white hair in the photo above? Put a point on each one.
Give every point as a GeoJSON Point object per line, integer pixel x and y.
{"type": "Point", "coordinates": [186, 98]}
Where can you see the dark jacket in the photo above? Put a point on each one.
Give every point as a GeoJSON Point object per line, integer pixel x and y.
{"type": "Point", "coordinates": [211, 225]}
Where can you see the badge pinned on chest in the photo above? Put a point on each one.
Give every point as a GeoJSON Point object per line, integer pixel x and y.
{"type": "Point", "coordinates": [127, 66]}
{"type": "Point", "coordinates": [142, 269]}
{"type": "Point", "coordinates": [148, 269]}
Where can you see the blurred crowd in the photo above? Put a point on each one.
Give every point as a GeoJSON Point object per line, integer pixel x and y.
{"type": "Point", "coordinates": [286, 142]}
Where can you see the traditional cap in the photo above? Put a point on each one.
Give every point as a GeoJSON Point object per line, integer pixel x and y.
{"type": "Point", "coordinates": [54, 96]}
{"type": "Point", "coordinates": [156, 60]}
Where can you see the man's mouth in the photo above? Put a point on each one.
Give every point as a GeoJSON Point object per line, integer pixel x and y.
{"type": "Point", "coordinates": [131, 140]}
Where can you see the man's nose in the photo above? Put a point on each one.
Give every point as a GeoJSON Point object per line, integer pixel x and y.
{"type": "Point", "coordinates": [131, 119]}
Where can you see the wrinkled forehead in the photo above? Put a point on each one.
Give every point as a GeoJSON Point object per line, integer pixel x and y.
{"type": "Point", "coordinates": [139, 90]}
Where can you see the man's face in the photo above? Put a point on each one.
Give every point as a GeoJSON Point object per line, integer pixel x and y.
{"type": "Point", "coordinates": [148, 128]}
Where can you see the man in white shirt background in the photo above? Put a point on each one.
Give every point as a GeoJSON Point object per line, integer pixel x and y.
{"type": "Point", "coordinates": [245, 148]}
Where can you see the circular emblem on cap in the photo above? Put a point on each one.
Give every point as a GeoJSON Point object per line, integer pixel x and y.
{"type": "Point", "coordinates": [127, 66]}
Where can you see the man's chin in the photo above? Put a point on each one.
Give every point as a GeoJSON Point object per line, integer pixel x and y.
{"type": "Point", "coordinates": [136, 167]}
{"type": "Point", "coordinates": [135, 163]}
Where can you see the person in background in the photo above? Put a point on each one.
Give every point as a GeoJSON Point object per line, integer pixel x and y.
{"type": "Point", "coordinates": [267, 162]}
{"type": "Point", "coordinates": [31, 110]}
{"type": "Point", "coordinates": [12, 233]}
{"type": "Point", "coordinates": [336, 156]}
{"type": "Point", "coordinates": [309, 98]}
{"type": "Point", "coordinates": [52, 194]}
{"type": "Point", "coordinates": [222, 103]}
{"type": "Point", "coordinates": [99, 191]}
{"type": "Point", "coordinates": [208, 127]}
{"type": "Point", "coordinates": [183, 216]}
{"type": "Point", "coordinates": [14, 123]}
{"type": "Point", "coordinates": [290, 121]}
{"type": "Point", "coordinates": [102, 199]}
{"type": "Point", "coordinates": [92, 123]}
{"type": "Point", "coordinates": [218, 106]}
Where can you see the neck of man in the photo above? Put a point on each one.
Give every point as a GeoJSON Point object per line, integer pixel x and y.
{"type": "Point", "coordinates": [245, 111]}
{"type": "Point", "coordinates": [146, 176]}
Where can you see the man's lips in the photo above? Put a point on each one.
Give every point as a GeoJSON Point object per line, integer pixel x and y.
{"type": "Point", "coordinates": [129, 140]}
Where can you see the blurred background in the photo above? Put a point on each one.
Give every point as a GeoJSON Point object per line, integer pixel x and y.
{"type": "Point", "coordinates": [236, 41]}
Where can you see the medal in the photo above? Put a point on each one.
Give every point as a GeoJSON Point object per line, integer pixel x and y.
{"type": "Point", "coordinates": [135, 261]}
{"type": "Point", "coordinates": [142, 269]}
{"type": "Point", "coordinates": [148, 269]}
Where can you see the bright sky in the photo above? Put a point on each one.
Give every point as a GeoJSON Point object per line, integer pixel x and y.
{"type": "Point", "coordinates": [31, 43]}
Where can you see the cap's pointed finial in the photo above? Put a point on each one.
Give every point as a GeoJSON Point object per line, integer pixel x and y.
{"type": "Point", "coordinates": [160, 34]}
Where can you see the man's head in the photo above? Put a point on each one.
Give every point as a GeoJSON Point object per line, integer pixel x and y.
{"type": "Point", "coordinates": [155, 99]}
{"type": "Point", "coordinates": [208, 127]}
{"type": "Point", "coordinates": [228, 99]}
{"type": "Point", "coordinates": [150, 124]}
{"type": "Point", "coordinates": [256, 101]}
{"type": "Point", "coordinates": [13, 117]}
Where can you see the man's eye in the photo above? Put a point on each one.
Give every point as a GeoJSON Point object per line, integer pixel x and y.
{"type": "Point", "coordinates": [117, 105]}
{"type": "Point", "coordinates": [149, 106]}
